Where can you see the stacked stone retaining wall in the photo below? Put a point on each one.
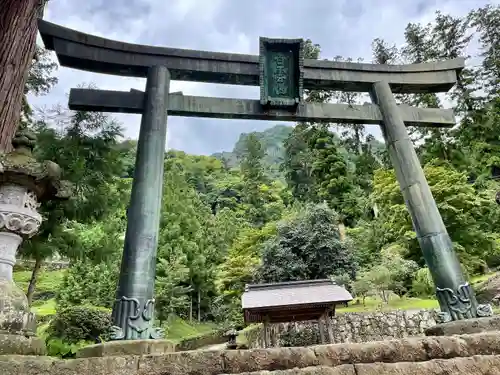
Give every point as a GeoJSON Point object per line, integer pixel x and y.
{"type": "Point", "coordinates": [348, 327]}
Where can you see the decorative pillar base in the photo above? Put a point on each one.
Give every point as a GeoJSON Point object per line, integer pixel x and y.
{"type": "Point", "coordinates": [133, 320]}
{"type": "Point", "coordinates": [460, 304]}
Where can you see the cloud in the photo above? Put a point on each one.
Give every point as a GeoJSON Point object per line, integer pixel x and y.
{"type": "Point", "coordinates": [341, 27]}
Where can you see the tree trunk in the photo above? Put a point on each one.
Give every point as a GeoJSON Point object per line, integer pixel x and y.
{"type": "Point", "coordinates": [33, 280]}
{"type": "Point", "coordinates": [191, 307]}
{"type": "Point", "coordinates": [18, 30]}
{"type": "Point", "coordinates": [341, 228]}
{"type": "Point", "coordinates": [199, 306]}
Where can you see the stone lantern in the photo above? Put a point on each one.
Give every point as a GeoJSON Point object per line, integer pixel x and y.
{"type": "Point", "coordinates": [231, 339]}
{"type": "Point", "coordinates": [24, 183]}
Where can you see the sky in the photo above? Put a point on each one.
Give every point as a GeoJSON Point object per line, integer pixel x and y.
{"type": "Point", "coordinates": [341, 27]}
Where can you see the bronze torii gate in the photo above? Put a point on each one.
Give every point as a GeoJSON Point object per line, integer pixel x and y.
{"type": "Point", "coordinates": [282, 73]}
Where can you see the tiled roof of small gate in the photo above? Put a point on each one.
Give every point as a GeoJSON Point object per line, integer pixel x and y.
{"type": "Point", "coordinates": [293, 293]}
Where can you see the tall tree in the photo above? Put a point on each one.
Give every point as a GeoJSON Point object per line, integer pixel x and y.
{"type": "Point", "coordinates": [487, 23]}
{"type": "Point", "coordinates": [335, 180]}
{"type": "Point", "coordinates": [307, 247]}
{"type": "Point", "coordinates": [86, 149]}
{"type": "Point", "coordinates": [39, 82]}
{"type": "Point", "coordinates": [18, 30]}
{"type": "Point", "coordinates": [253, 177]}
{"type": "Point", "coordinates": [188, 251]}
{"type": "Point", "coordinates": [297, 165]}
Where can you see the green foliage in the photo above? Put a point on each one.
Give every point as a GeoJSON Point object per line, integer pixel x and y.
{"type": "Point", "coordinates": [49, 282]}
{"type": "Point", "coordinates": [190, 247]}
{"type": "Point", "coordinates": [38, 82]}
{"type": "Point", "coordinates": [333, 176]}
{"type": "Point", "coordinates": [298, 164]}
{"type": "Point", "coordinates": [59, 348]}
{"type": "Point", "coordinates": [305, 247]}
{"type": "Point", "coordinates": [177, 329]}
{"type": "Point", "coordinates": [423, 286]}
{"type": "Point", "coordinates": [463, 208]}
{"type": "Point", "coordinates": [86, 283]}
{"type": "Point", "coordinates": [239, 269]}
{"type": "Point", "coordinates": [362, 286]}
{"type": "Point", "coordinates": [391, 273]}
{"type": "Point", "coordinates": [79, 323]}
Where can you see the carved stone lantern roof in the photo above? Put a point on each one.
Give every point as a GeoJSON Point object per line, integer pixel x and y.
{"type": "Point", "coordinates": [19, 167]}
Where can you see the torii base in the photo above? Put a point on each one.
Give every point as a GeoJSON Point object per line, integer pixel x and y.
{"type": "Point", "coordinates": [463, 327]}
{"type": "Point", "coordinates": [127, 347]}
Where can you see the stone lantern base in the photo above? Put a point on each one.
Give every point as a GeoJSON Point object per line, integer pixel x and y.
{"type": "Point", "coordinates": [21, 345]}
{"type": "Point", "coordinates": [17, 323]}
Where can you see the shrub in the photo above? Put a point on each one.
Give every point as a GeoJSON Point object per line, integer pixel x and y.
{"type": "Point", "coordinates": [86, 283]}
{"type": "Point", "coordinates": [423, 286]}
{"type": "Point", "coordinates": [76, 324]}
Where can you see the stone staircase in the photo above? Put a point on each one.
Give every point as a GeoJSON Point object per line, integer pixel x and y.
{"type": "Point", "coordinates": [476, 354]}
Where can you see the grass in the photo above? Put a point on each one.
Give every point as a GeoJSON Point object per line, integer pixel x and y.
{"type": "Point", "coordinates": [178, 329]}
{"type": "Point", "coordinates": [48, 281]}
{"type": "Point", "coordinates": [481, 278]}
{"type": "Point", "coordinates": [395, 303]}
{"type": "Point", "coordinates": [44, 308]}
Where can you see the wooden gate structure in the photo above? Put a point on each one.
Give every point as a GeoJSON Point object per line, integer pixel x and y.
{"type": "Point", "coordinates": [282, 74]}
{"type": "Point", "coordinates": [293, 301]}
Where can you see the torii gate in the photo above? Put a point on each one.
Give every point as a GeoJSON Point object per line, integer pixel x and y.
{"type": "Point", "coordinates": [282, 73]}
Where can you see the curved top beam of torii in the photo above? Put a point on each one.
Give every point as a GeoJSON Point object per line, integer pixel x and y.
{"type": "Point", "coordinates": [78, 50]}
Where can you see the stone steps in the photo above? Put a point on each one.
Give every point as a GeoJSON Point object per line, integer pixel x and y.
{"type": "Point", "coordinates": [417, 355]}
{"type": "Point", "coordinates": [476, 365]}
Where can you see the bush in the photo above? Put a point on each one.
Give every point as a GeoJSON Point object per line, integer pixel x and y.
{"type": "Point", "coordinates": [86, 283]}
{"type": "Point", "coordinates": [423, 286]}
{"type": "Point", "coordinates": [76, 324]}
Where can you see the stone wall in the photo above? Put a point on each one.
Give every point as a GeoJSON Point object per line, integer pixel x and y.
{"type": "Point", "coordinates": [349, 327]}
{"type": "Point", "coordinates": [196, 342]}
{"type": "Point", "coordinates": [27, 265]}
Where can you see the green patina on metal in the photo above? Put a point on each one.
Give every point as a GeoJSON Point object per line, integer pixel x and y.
{"type": "Point", "coordinates": [281, 64]}
{"type": "Point", "coordinates": [133, 310]}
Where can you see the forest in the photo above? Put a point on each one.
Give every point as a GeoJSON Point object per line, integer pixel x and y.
{"type": "Point", "coordinates": [307, 201]}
